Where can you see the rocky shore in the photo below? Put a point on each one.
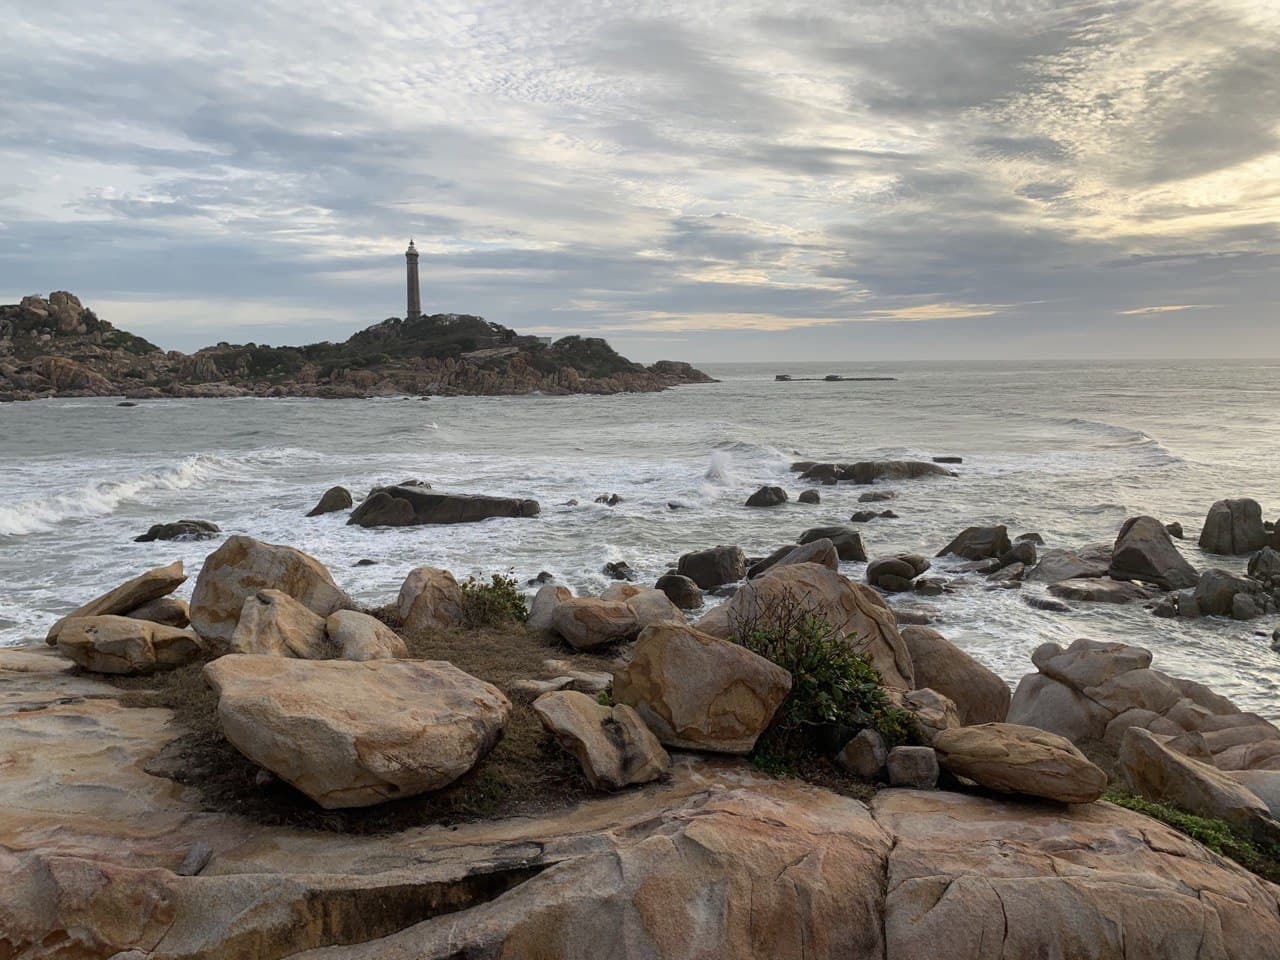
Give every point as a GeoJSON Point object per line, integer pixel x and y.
{"type": "Point", "coordinates": [269, 771]}
{"type": "Point", "coordinates": [57, 347]}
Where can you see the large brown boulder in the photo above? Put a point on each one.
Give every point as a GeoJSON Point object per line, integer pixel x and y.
{"type": "Point", "coordinates": [170, 611]}
{"type": "Point", "coordinates": [1145, 551]}
{"type": "Point", "coordinates": [1152, 770]}
{"type": "Point", "coordinates": [331, 501]}
{"type": "Point", "coordinates": [124, 645]}
{"type": "Point", "coordinates": [613, 745]}
{"type": "Point", "coordinates": [1015, 759]}
{"type": "Point", "coordinates": [821, 551]}
{"type": "Point", "coordinates": [980, 695]}
{"type": "Point", "coordinates": [243, 566]}
{"type": "Point", "coordinates": [586, 623]}
{"type": "Point", "coordinates": [351, 734]}
{"type": "Point", "coordinates": [713, 567]}
{"type": "Point", "coordinates": [131, 594]}
{"type": "Point", "coordinates": [699, 692]}
{"type": "Point", "coordinates": [358, 636]}
{"type": "Point", "coordinates": [855, 612]}
{"type": "Point", "coordinates": [274, 624]}
{"type": "Point", "coordinates": [409, 506]}
{"type": "Point", "coordinates": [429, 599]}
{"type": "Point", "coordinates": [847, 541]}
{"type": "Point", "coordinates": [1234, 527]}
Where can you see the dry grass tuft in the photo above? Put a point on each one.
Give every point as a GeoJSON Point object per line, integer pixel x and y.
{"type": "Point", "coordinates": [525, 773]}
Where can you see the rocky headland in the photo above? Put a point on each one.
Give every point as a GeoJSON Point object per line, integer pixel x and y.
{"type": "Point", "coordinates": [797, 772]}
{"type": "Point", "coordinates": [57, 347]}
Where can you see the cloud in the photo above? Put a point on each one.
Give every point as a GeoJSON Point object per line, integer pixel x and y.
{"type": "Point", "coordinates": [739, 180]}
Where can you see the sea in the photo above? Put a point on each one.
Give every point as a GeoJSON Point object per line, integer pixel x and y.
{"type": "Point", "coordinates": [1064, 449]}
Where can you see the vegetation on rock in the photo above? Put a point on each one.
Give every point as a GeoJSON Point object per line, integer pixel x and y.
{"type": "Point", "coordinates": [494, 603]}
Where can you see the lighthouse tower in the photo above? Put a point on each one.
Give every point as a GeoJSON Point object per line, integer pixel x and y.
{"type": "Point", "coordinates": [414, 308]}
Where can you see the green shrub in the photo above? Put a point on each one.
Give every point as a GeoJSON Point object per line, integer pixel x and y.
{"type": "Point", "coordinates": [833, 689]}
{"type": "Point", "coordinates": [494, 603]}
{"type": "Point", "coordinates": [1214, 834]}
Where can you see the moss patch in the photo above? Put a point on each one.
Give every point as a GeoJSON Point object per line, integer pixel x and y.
{"type": "Point", "coordinates": [527, 772]}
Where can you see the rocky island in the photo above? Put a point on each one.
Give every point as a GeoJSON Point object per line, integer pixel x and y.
{"type": "Point", "coordinates": [57, 347]}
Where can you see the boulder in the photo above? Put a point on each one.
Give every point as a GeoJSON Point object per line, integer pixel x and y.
{"type": "Point", "coordinates": [711, 568]}
{"type": "Point", "coordinates": [130, 595]}
{"type": "Point", "coordinates": [243, 566]}
{"type": "Point", "coordinates": [809, 496]}
{"type": "Point", "coordinates": [358, 636]}
{"type": "Point", "coordinates": [894, 574]}
{"type": "Point", "coordinates": [274, 624]}
{"type": "Point", "coordinates": [821, 551]}
{"type": "Point", "coordinates": [865, 755]}
{"type": "Point", "coordinates": [1234, 528]}
{"type": "Point", "coordinates": [1264, 566]}
{"type": "Point", "coordinates": [980, 695]}
{"type": "Point", "coordinates": [1012, 758]}
{"type": "Point", "coordinates": [846, 540]}
{"type": "Point", "coordinates": [170, 611]}
{"type": "Point", "coordinates": [865, 472]}
{"type": "Point", "coordinates": [586, 623]}
{"type": "Point", "coordinates": [1152, 770]}
{"type": "Point", "coordinates": [913, 767]}
{"type": "Point", "coordinates": [619, 570]}
{"type": "Point", "coordinates": [855, 613]}
{"type": "Point", "coordinates": [542, 608]}
{"type": "Point", "coordinates": [1102, 590]}
{"type": "Point", "coordinates": [612, 744]}
{"type": "Point", "coordinates": [429, 599]}
{"type": "Point", "coordinates": [180, 530]}
{"type": "Point", "coordinates": [124, 645]}
{"type": "Point", "coordinates": [1144, 551]}
{"type": "Point", "coordinates": [699, 692]}
{"type": "Point", "coordinates": [331, 501]}
{"type": "Point", "coordinates": [1217, 590]}
{"type": "Point", "coordinates": [680, 590]}
{"type": "Point", "coordinates": [652, 606]}
{"type": "Point", "coordinates": [877, 496]}
{"type": "Point", "coordinates": [403, 506]}
{"type": "Point", "coordinates": [933, 712]}
{"type": "Point", "coordinates": [351, 734]}
{"type": "Point", "coordinates": [767, 497]}
{"type": "Point", "coordinates": [1088, 563]}
{"type": "Point", "coordinates": [1023, 552]}
{"type": "Point", "coordinates": [979, 543]}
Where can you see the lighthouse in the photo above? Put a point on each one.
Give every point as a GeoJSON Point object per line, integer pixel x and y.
{"type": "Point", "coordinates": [414, 308]}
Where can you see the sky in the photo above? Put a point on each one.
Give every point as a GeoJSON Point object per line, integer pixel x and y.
{"type": "Point", "coordinates": [699, 179]}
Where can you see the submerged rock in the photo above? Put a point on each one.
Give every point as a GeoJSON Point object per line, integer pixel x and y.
{"type": "Point", "coordinates": [331, 501]}
{"type": "Point", "coordinates": [412, 506]}
{"type": "Point", "coordinates": [181, 530]}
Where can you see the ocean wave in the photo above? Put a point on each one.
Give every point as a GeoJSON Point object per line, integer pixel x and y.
{"type": "Point", "coordinates": [102, 498]}
{"type": "Point", "coordinates": [1121, 436]}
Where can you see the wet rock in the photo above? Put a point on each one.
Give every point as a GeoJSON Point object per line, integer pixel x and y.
{"type": "Point", "coordinates": [809, 496]}
{"type": "Point", "coordinates": [1144, 551]}
{"type": "Point", "coordinates": [980, 695]}
{"type": "Point", "coordinates": [894, 574]}
{"type": "Point", "coordinates": [1216, 592]}
{"type": "Point", "coordinates": [130, 595]}
{"type": "Point", "coordinates": [609, 499]}
{"type": "Point", "coordinates": [699, 692]}
{"type": "Point", "coordinates": [612, 744]}
{"type": "Point", "coordinates": [243, 566]}
{"type": "Point", "coordinates": [1234, 527]}
{"type": "Point", "coordinates": [866, 472]}
{"type": "Point", "coordinates": [429, 599]}
{"type": "Point", "coordinates": [1016, 759]}
{"type": "Point", "coordinates": [846, 540]}
{"type": "Point", "coordinates": [680, 590]}
{"type": "Point", "coordinates": [1175, 530]}
{"type": "Point", "coordinates": [1035, 538]}
{"type": "Point", "coordinates": [331, 501]}
{"type": "Point", "coordinates": [1047, 604]}
{"type": "Point", "coordinates": [915, 768]}
{"type": "Point", "coordinates": [1264, 566]}
{"type": "Point", "coordinates": [619, 570]}
{"type": "Point", "coordinates": [402, 506]}
{"type": "Point", "coordinates": [979, 543]}
{"type": "Point", "coordinates": [358, 636]}
{"type": "Point", "coordinates": [351, 734]}
{"type": "Point", "coordinates": [948, 459]}
{"type": "Point", "coordinates": [1087, 563]}
{"type": "Point", "coordinates": [365, 562]}
{"type": "Point", "coordinates": [125, 646]}
{"type": "Point", "coordinates": [713, 567]}
{"type": "Point", "coordinates": [1100, 591]}
{"type": "Point", "coordinates": [1023, 552]}
{"type": "Point", "coordinates": [180, 530]}
{"type": "Point", "coordinates": [877, 496]}
{"type": "Point", "coordinates": [821, 551]}
{"type": "Point", "coordinates": [767, 497]}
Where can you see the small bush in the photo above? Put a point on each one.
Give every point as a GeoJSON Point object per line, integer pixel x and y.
{"type": "Point", "coordinates": [494, 603]}
{"type": "Point", "coordinates": [833, 689]}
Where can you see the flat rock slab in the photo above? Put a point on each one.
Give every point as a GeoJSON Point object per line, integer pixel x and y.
{"type": "Point", "coordinates": [354, 733]}
{"type": "Point", "coordinates": [123, 645]}
{"type": "Point", "coordinates": [411, 506]}
{"type": "Point", "coordinates": [151, 585]}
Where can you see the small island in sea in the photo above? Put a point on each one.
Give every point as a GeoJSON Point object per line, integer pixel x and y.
{"type": "Point", "coordinates": [57, 347]}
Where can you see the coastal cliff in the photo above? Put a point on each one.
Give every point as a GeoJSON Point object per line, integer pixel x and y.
{"type": "Point", "coordinates": [57, 347]}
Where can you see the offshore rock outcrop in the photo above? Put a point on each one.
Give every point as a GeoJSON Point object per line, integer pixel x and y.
{"type": "Point", "coordinates": [58, 347]}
